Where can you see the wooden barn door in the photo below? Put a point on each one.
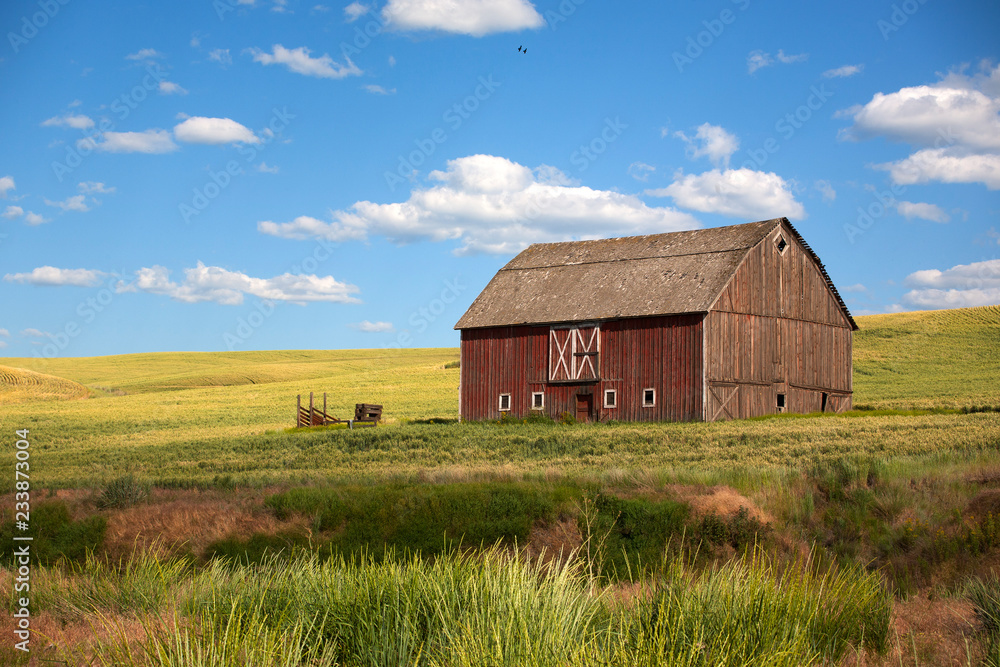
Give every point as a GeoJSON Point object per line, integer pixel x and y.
{"type": "Point", "coordinates": [723, 401]}
{"type": "Point", "coordinates": [584, 407]}
{"type": "Point", "coordinates": [574, 353]}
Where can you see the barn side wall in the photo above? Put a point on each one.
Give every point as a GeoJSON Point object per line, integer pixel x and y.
{"type": "Point", "coordinates": [662, 353]}
{"type": "Point", "coordinates": [777, 330]}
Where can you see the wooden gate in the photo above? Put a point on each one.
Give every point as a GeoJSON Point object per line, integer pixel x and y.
{"type": "Point", "coordinates": [723, 401]}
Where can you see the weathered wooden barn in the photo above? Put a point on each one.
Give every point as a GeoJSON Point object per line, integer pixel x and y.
{"type": "Point", "coordinates": [720, 323]}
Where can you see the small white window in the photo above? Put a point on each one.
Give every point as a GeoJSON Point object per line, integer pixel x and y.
{"type": "Point", "coordinates": [648, 397]}
{"type": "Point", "coordinates": [537, 400]}
{"type": "Point", "coordinates": [610, 398]}
{"type": "Point", "coordinates": [504, 402]}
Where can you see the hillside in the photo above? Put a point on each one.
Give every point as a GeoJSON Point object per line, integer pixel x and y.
{"type": "Point", "coordinates": [18, 385]}
{"type": "Point", "coordinates": [937, 358]}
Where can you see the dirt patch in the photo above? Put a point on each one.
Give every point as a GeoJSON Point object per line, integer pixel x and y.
{"type": "Point", "coordinates": [554, 540]}
{"type": "Point", "coordinates": [188, 521]}
{"type": "Point", "coordinates": [985, 502]}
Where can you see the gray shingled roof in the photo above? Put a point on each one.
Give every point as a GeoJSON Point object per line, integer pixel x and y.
{"type": "Point", "coordinates": [635, 276]}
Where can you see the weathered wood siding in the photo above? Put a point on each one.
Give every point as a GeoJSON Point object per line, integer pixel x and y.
{"type": "Point", "coordinates": [662, 353]}
{"type": "Point", "coordinates": [776, 329]}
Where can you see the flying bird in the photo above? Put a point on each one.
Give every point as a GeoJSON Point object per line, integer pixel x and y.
{"type": "Point", "coordinates": [519, 49]}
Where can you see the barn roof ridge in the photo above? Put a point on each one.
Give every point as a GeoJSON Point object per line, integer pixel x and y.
{"type": "Point", "coordinates": [624, 259]}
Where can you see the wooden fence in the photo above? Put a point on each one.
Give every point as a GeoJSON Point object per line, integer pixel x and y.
{"type": "Point", "coordinates": [365, 414]}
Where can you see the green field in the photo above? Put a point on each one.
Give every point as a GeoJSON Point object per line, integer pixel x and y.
{"type": "Point", "coordinates": [190, 458]}
{"type": "Point", "coordinates": [190, 418]}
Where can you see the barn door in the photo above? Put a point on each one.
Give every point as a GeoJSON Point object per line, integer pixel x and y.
{"type": "Point", "coordinates": [584, 407]}
{"type": "Point", "coordinates": [723, 401]}
{"type": "Point", "coordinates": [574, 353]}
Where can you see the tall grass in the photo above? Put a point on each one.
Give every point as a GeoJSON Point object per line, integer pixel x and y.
{"type": "Point", "coordinates": [494, 609]}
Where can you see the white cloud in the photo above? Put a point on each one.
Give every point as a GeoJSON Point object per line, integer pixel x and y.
{"type": "Point", "coordinates": [741, 193]}
{"type": "Point", "coordinates": [711, 141]}
{"type": "Point", "coordinates": [374, 327]}
{"type": "Point", "coordinates": [218, 285]}
{"type": "Point", "coordinates": [492, 205]}
{"type": "Point", "coordinates": [392, 61]}
{"type": "Point", "coordinates": [843, 72]}
{"type": "Point", "coordinates": [12, 212]}
{"type": "Point", "coordinates": [932, 212]}
{"type": "Point", "coordinates": [946, 165]}
{"type": "Point", "coordinates": [52, 276]}
{"type": "Point", "coordinates": [5, 333]}
{"type": "Point", "coordinates": [961, 286]}
{"type": "Point", "coordinates": [74, 203]}
{"type": "Point", "coordinates": [148, 141]}
{"type": "Point", "coordinates": [379, 90]}
{"type": "Point", "coordinates": [35, 333]}
{"type": "Point", "coordinates": [299, 61]}
{"type": "Point", "coordinates": [221, 56]}
{"type": "Point", "coordinates": [466, 17]}
{"type": "Point", "coordinates": [201, 130]}
{"type": "Point", "coordinates": [857, 288]}
{"type": "Point", "coordinates": [826, 190]}
{"type": "Point", "coordinates": [758, 59]}
{"type": "Point", "coordinates": [640, 171]}
{"type": "Point", "coordinates": [954, 124]}
{"type": "Point", "coordinates": [77, 122]}
{"type": "Point", "coordinates": [144, 54]}
{"type": "Point", "coordinates": [171, 88]}
{"type": "Point", "coordinates": [34, 219]}
{"type": "Point", "coordinates": [788, 59]}
{"type": "Point", "coordinates": [264, 169]}
{"type": "Point", "coordinates": [3, 344]}
{"type": "Point", "coordinates": [6, 184]}
{"type": "Point", "coordinates": [354, 11]}
{"type": "Point", "coordinates": [93, 187]}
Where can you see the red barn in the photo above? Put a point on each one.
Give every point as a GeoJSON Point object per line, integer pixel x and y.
{"type": "Point", "coordinates": [710, 324]}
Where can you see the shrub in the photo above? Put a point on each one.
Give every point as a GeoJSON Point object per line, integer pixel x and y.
{"type": "Point", "coordinates": [121, 492]}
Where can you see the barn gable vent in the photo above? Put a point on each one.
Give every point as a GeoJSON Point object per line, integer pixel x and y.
{"type": "Point", "coordinates": [781, 244]}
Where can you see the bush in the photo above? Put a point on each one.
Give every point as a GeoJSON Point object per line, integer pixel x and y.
{"type": "Point", "coordinates": [121, 492]}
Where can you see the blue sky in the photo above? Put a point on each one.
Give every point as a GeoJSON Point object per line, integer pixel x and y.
{"type": "Point", "coordinates": [278, 174]}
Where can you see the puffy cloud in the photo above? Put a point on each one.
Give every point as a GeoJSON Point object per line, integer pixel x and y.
{"type": "Point", "coordinates": [6, 185]}
{"type": "Point", "coordinates": [221, 56]}
{"type": "Point", "coordinates": [961, 286]}
{"type": "Point", "coordinates": [787, 59]}
{"type": "Point", "coordinates": [843, 72]}
{"type": "Point", "coordinates": [201, 130]}
{"type": "Point", "coordinates": [4, 333]}
{"type": "Point", "coordinates": [374, 327]}
{"type": "Point", "coordinates": [379, 90]}
{"type": "Point", "coordinates": [94, 187]}
{"type": "Point", "coordinates": [954, 123]}
{"type": "Point", "coordinates": [35, 333]}
{"type": "Point", "coordinates": [466, 17]}
{"type": "Point", "coordinates": [34, 218]}
{"type": "Point", "coordinates": [77, 122]}
{"type": "Point", "coordinates": [826, 190]}
{"type": "Point", "coordinates": [144, 54]}
{"type": "Point", "coordinates": [215, 284]}
{"type": "Point", "coordinates": [299, 61]}
{"type": "Point", "coordinates": [354, 11]}
{"type": "Point", "coordinates": [171, 88]}
{"type": "Point", "coordinates": [492, 205]}
{"type": "Point", "coordinates": [741, 193]}
{"type": "Point", "coordinates": [932, 212]}
{"type": "Point", "coordinates": [148, 141]}
{"type": "Point", "coordinates": [713, 142]}
{"type": "Point", "coordinates": [857, 288]}
{"type": "Point", "coordinates": [74, 203]}
{"type": "Point", "coordinates": [12, 212]}
{"type": "Point", "coordinates": [946, 165]}
{"type": "Point", "coordinates": [52, 276]}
